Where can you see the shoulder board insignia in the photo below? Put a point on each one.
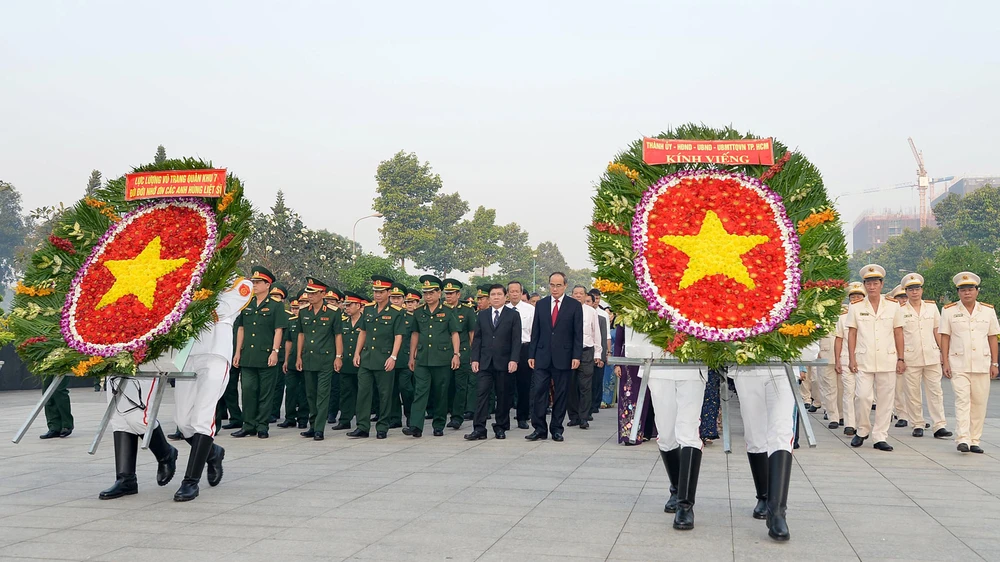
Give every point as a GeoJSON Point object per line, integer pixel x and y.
{"type": "Point", "coordinates": [843, 311]}
{"type": "Point", "coordinates": [448, 305]}
{"type": "Point", "coordinates": [296, 317]}
{"type": "Point", "coordinates": [343, 317]}
{"type": "Point", "coordinates": [394, 307]}
{"type": "Point", "coordinates": [369, 304]}
{"type": "Point", "coordinates": [949, 305]}
{"type": "Point", "coordinates": [930, 301]}
{"type": "Point", "coordinates": [986, 305]}
{"type": "Point", "coordinates": [276, 298]}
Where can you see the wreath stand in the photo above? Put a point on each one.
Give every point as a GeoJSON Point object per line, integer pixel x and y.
{"type": "Point", "coordinates": [648, 364]}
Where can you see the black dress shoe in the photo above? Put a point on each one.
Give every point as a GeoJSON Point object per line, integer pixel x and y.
{"type": "Point", "coordinates": [286, 424]}
{"type": "Point", "coordinates": [841, 422]}
{"type": "Point", "coordinates": [918, 432]}
{"type": "Point", "coordinates": [927, 425]}
{"type": "Point", "coordinates": [332, 420]}
{"type": "Point", "coordinates": [232, 425]}
{"type": "Point", "coordinates": [882, 446]}
{"type": "Point", "coordinates": [467, 416]}
{"type": "Point", "coordinates": [826, 417]}
{"type": "Point", "coordinates": [52, 433]}
{"type": "Point", "coordinates": [475, 436]}
{"type": "Point", "coordinates": [832, 425]}
{"type": "Point", "coordinates": [963, 447]}
{"type": "Point", "coordinates": [584, 425]}
{"type": "Point", "coordinates": [309, 433]}
{"type": "Point", "coordinates": [557, 437]}
{"type": "Point", "coordinates": [358, 434]}
{"type": "Point", "coordinates": [262, 435]}
{"type": "Point", "coordinates": [438, 433]}
{"type": "Point", "coordinates": [242, 433]}
{"type": "Point", "coordinates": [341, 426]}
{"type": "Point", "coordinates": [901, 423]}
{"type": "Point", "coordinates": [428, 416]}
{"type": "Point", "coordinates": [413, 432]}
{"type": "Point", "coordinates": [535, 436]}
{"type": "Point", "coordinates": [501, 434]}
{"type": "Point", "coordinates": [976, 449]}
{"type": "Point", "coordinates": [66, 432]}
{"type": "Point", "coordinates": [858, 441]}
{"type": "Point", "coordinates": [395, 425]}
{"type": "Point", "coordinates": [943, 433]}
{"type": "Point", "coordinates": [303, 425]}
{"type": "Point", "coordinates": [455, 423]}
{"type": "Point", "coordinates": [381, 434]}
{"type": "Point", "coordinates": [849, 430]}
{"type": "Point", "coordinates": [272, 419]}
{"type": "Point", "coordinates": [318, 437]}
{"type": "Point", "coordinates": [572, 423]}
{"type": "Point", "coordinates": [811, 409]}
{"type": "Point", "coordinates": [373, 417]}
{"type": "Point", "coordinates": [523, 425]}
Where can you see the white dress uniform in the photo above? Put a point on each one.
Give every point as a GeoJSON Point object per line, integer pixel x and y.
{"type": "Point", "coordinates": [210, 358]}
{"type": "Point", "coordinates": [970, 356]}
{"type": "Point", "coordinates": [922, 357]}
{"type": "Point", "coordinates": [130, 415]}
{"type": "Point", "coordinates": [831, 384]}
{"type": "Point", "coordinates": [901, 401]}
{"type": "Point", "coordinates": [875, 356]}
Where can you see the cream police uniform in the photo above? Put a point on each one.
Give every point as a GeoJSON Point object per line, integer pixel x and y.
{"type": "Point", "coordinates": [677, 396]}
{"type": "Point", "coordinates": [970, 342]}
{"type": "Point", "coordinates": [874, 355]}
{"type": "Point", "coordinates": [848, 379]}
{"type": "Point", "coordinates": [922, 358]}
{"type": "Point", "coordinates": [901, 401]}
{"type": "Point", "coordinates": [831, 383]}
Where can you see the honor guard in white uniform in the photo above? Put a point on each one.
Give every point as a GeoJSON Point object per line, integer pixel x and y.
{"type": "Point", "coordinates": [196, 399]}
{"type": "Point", "coordinates": [677, 395]}
{"type": "Point", "coordinates": [916, 330]}
{"type": "Point", "coordinates": [969, 332]}
{"type": "Point", "coordinates": [872, 349]}
{"type": "Point", "coordinates": [901, 401]}
{"type": "Point", "coordinates": [849, 387]}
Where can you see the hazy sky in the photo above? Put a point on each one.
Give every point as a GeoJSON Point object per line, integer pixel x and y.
{"type": "Point", "coordinates": [518, 105]}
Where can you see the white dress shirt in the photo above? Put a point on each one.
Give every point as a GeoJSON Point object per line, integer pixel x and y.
{"type": "Point", "coordinates": [527, 313]}
{"type": "Point", "coordinates": [592, 331]}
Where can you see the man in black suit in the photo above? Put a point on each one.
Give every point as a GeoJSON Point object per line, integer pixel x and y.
{"type": "Point", "coordinates": [496, 346]}
{"type": "Point", "coordinates": [554, 353]}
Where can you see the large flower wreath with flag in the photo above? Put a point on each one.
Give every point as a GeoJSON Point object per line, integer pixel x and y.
{"type": "Point", "coordinates": [719, 264]}
{"type": "Point", "coordinates": [118, 283]}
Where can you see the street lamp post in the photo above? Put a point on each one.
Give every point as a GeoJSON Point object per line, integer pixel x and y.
{"type": "Point", "coordinates": [534, 266]}
{"type": "Point", "coordinates": [354, 234]}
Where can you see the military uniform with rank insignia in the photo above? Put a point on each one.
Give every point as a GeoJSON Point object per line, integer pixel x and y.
{"type": "Point", "coordinates": [296, 405]}
{"type": "Point", "coordinates": [969, 331]}
{"type": "Point", "coordinates": [482, 297]}
{"type": "Point", "coordinates": [333, 299]}
{"type": "Point", "coordinates": [462, 389]}
{"type": "Point", "coordinates": [319, 343]}
{"type": "Point", "coordinates": [260, 327]}
{"type": "Point", "coordinates": [434, 355]}
{"type": "Point", "coordinates": [279, 294]}
{"type": "Point", "coordinates": [349, 330]}
{"type": "Point", "coordinates": [380, 336]}
{"type": "Point", "coordinates": [402, 390]}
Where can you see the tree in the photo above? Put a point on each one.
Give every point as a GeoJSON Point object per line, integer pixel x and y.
{"type": "Point", "coordinates": [94, 183]}
{"type": "Point", "coordinates": [439, 251]}
{"type": "Point", "coordinates": [949, 261]}
{"type": "Point", "coordinates": [161, 155]}
{"type": "Point", "coordinates": [584, 276]}
{"type": "Point", "coordinates": [406, 191]}
{"type": "Point", "coordinates": [515, 252]}
{"type": "Point", "coordinates": [549, 260]}
{"type": "Point", "coordinates": [971, 219]}
{"type": "Point", "coordinates": [357, 277]}
{"type": "Point", "coordinates": [13, 230]}
{"type": "Point", "coordinates": [913, 250]}
{"type": "Point", "coordinates": [478, 241]}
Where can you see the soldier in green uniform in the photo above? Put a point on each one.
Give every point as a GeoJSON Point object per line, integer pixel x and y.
{"type": "Point", "coordinates": [402, 390]}
{"type": "Point", "coordinates": [296, 405]}
{"type": "Point", "coordinates": [319, 342]}
{"type": "Point", "coordinates": [259, 329]}
{"type": "Point", "coordinates": [482, 297]}
{"type": "Point", "coordinates": [434, 354]}
{"type": "Point", "coordinates": [229, 405]}
{"type": "Point", "coordinates": [278, 295]}
{"type": "Point", "coordinates": [58, 415]}
{"type": "Point", "coordinates": [349, 329]}
{"type": "Point", "coordinates": [333, 299]}
{"type": "Point", "coordinates": [463, 404]}
{"type": "Point", "coordinates": [380, 336]}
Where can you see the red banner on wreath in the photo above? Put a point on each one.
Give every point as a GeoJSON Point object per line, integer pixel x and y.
{"type": "Point", "coordinates": [738, 152]}
{"type": "Point", "coordinates": [175, 183]}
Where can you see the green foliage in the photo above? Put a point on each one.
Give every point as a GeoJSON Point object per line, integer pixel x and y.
{"type": "Point", "coordinates": [406, 188]}
{"type": "Point", "coordinates": [94, 182]}
{"type": "Point", "coordinates": [823, 254]}
{"type": "Point", "coordinates": [83, 225]}
{"type": "Point", "coordinates": [161, 155]}
{"type": "Point", "coordinates": [913, 250]}
{"type": "Point", "coordinates": [13, 230]}
{"type": "Point", "coordinates": [972, 219]}
{"type": "Point", "coordinates": [357, 277]}
{"type": "Point", "coordinates": [478, 240]}
{"type": "Point", "coordinates": [949, 261]}
{"type": "Point", "coordinates": [439, 251]}
{"type": "Point", "coordinates": [583, 276]}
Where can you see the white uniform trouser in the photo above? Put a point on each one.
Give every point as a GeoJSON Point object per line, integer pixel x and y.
{"type": "Point", "coordinates": [901, 402]}
{"type": "Point", "coordinates": [880, 387]}
{"type": "Point", "coordinates": [677, 405]}
{"type": "Point", "coordinates": [767, 406]}
{"type": "Point", "coordinates": [130, 415]}
{"type": "Point", "coordinates": [833, 392]}
{"type": "Point", "coordinates": [849, 384]}
{"type": "Point", "coordinates": [196, 400]}
{"type": "Point", "coordinates": [972, 391]}
{"type": "Point", "coordinates": [930, 375]}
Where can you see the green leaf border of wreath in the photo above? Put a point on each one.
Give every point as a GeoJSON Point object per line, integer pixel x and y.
{"type": "Point", "coordinates": [34, 320]}
{"type": "Point", "coordinates": [823, 255]}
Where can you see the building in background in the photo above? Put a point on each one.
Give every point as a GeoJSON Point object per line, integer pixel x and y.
{"type": "Point", "coordinates": [872, 228]}
{"type": "Point", "coordinates": [966, 186]}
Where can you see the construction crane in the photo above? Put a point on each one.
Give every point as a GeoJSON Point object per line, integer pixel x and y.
{"type": "Point", "coordinates": [923, 182]}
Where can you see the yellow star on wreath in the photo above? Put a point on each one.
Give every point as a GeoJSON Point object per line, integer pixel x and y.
{"type": "Point", "coordinates": [713, 251]}
{"type": "Point", "coordinates": [138, 276]}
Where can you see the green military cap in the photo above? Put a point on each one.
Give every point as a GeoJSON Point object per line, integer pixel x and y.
{"type": "Point", "coordinates": [482, 291]}
{"type": "Point", "coordinates": [381, 283]}
{"type": "Point", "coordinates": [429, 283]}
{"type": "Point", "coordinates": [469, 300]}
{"type": "Point", "coordinates": [278, 290]}
{"type": "Point", "coordinates": [314, 285]}
{"type": "Point", "coordinates": [412, 295]}
{"type": "Point", "coordinates": [397, 290]}
{"type": "Point", "coordinates": [452, 285]}
{"type": "Point", "coordinates": [261, 273]}
{"type": "Point", "coordinates": [354, 297]}
{"type": "Point", "coordinates": [335, 293]}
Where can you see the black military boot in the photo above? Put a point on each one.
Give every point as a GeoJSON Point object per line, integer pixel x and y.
{"type": "Point", "coordinates": [779, 472]}
{"type": "Point", "coordinates": [201, 448]}
{"type": "Point", "coordinates": [672, 462]}
{"type": "Point", "coordinates": [166, 456]}
{"type": "Point", "coordinates": [758, 468]}
{"type": "Point", "coordinates": [126, 448]}
{"type": "Point", "coordinates": [687, 486]}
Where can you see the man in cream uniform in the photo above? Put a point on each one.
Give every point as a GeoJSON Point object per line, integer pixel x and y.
{"type": "Point", "coordinates": [848, 382]}
{"type": "Point", "coordinates": [969, 332]}
{"type": "Point", "coordinates": [677, 396]}
{"type": "Point", "coordinates": [916, 330]}
{"type": "Point", "coordinates": [872, 350]}
{"type": "Point", "coordinates": [902, 402]}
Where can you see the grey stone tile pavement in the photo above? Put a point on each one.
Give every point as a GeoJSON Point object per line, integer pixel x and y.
{"type": "Point", "coordinates": [447, 499]}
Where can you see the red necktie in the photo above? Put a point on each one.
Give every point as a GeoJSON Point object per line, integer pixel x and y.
{"type": "Point", "coordinates": [555, 313]}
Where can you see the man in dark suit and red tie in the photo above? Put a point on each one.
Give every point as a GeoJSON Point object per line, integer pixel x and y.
{"type": "Point", "coordinates": [496, 347]}
{"type": "Point", "coordinates": [554, 353]}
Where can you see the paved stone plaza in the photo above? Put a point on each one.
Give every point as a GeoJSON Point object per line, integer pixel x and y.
{"type": "Point", "coordinates": [443, 498]}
